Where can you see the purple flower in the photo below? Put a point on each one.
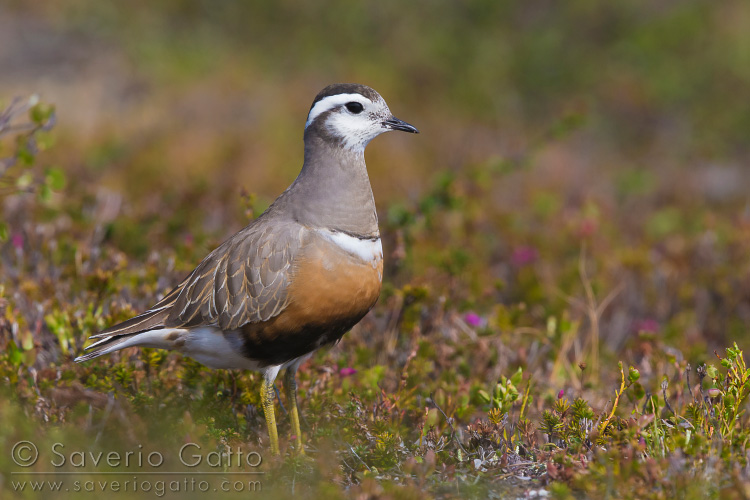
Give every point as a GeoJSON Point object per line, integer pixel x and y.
{"type": "Point", "coordinates": [524, 255]}
{"type": "Point", "coordinates": [17, 241]}
{"type": "Point", "coordinates": [561, 394]}
{"type": "Point", "coordinates": [345, 372]}
{"type": "Point", "coordinates": [473, 319]}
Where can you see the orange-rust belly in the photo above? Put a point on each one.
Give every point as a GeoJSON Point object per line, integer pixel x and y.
{"type": "Point", "coordinates": [331, 285]}
{"type": "Point", "coordinates": [330, 291]}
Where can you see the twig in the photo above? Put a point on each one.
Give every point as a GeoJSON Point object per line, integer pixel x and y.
{"type": "Point", "coordinates": [617, 400]}
{"type": "Point", "coordinates": [593, 309]}
{"type": "Point", "coordinates": [359, 458]}
{"type": "Point", "coordinates": [646, 402]}
{"type": "Point", "coordinates": [687, 381]}
{"type": "Point", "coordinates": [448, 421]}
{"type": "Point", "coordinates": [664, 385]}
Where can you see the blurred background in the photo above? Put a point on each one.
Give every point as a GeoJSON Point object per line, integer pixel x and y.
{"type": "Point", "coordinates": [572, 153]}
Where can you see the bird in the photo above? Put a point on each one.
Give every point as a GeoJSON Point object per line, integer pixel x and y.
{"type": "Point", "coordinates": [295, 279]}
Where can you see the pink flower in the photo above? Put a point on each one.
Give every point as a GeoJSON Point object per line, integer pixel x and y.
{"type": "Point", "coordinates": [345, 372]}
{"type": "Point", "coordinates": [473, 319]}
{"type": "Point", "coordinates": [17, 241]}
{"type": "Point", "coordinates": [561, 394]}
{"type": "Point", "coordinates": [524, 255]}
{"type": "Point", "coordinates": [646, 325]}
{"type": "Point", "coordinates": [587, 228]}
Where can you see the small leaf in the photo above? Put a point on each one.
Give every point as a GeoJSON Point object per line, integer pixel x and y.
{"type": "Point", "coordinates": [41, 112]}
{"type": "Point", "coordinates": [55, 178]}
{"type": "Point", "coordinates": [633, 374]}
{"type": "Point", "coordinates": [24, 181]}
{"type": "Point", "coordinates": [517, 377]}
{"type": "Point", "coordinates": [3, 231]}
{"type": "Point", "coordinates": [27, 340]}
{"type": "Point", "coordinates": [44, 140]}
{"type": "Point", "coordinates": [15, 355]}
{"type": "Point", "coordinates": [638, 391]}
{"type": "Point", "coordinates": [45, 193]}
{"type": "Point", "coordinates": [484, 396]}
{"type": "Point", "coordinates": [24, 155]}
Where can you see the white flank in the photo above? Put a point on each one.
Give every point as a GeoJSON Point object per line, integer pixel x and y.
{"type": "Point", "coordinates": [208, 345]}
{"type": "Point", "coordinates": [216, 349]}
{"type": "Point", "coordinates": [333, 101]}
{"type": "Point", "coordinates": [370, 251]}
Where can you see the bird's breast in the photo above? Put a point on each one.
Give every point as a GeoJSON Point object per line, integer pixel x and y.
{"type": "Point", "coordinates": [338, 275]}
{"type": "Point", "coordinates": [334, 283]}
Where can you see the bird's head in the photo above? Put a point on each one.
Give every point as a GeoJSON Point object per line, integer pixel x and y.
{"type": "Point", "coordinates": [351, 115]}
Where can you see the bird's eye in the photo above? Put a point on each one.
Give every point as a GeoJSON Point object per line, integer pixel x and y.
{"type": "Point", "coordinates": [354, 107]}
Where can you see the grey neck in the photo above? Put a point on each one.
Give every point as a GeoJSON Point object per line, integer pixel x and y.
{"type": "Point", "coordinates": [332, 191]}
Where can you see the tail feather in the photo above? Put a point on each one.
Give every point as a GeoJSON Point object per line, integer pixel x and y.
{"type": "Point", "coordinates": [147, 321]}
{"type": "Point", "coordinates": [148, 329]}
{"type": "Point", "coordinates": [102, 347]}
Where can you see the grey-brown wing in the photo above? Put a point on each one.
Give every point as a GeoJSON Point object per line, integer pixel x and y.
{"type": "Point", "coordinates": [245, 280]}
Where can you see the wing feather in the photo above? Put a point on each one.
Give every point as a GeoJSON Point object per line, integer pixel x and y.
{"type": "Point", "coordinates": [245, 280]}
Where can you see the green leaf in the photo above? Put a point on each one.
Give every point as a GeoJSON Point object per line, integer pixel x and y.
{"type": "Point", "coordinates": [24, 181]}
{"type": "Point", "coordinates": [3, 231]}
{"type": "Point", "coordinates": [55, 178]}
{"type": "Point", "coordinates": [484, 396]}
{"type": "Point", "coordinates": [41, 113]}
{"type": "Point", "coordinates": [633, 374]}
{"type": "Point", "coordinates": [517, 377]}
{"type": "Point", "coordinates": [45, 193]}
{"type": "Point", "coordinates": [23, 153]}
{"type": "Point", "coordinates": [729, 400]}
{"type": "Point", "coordinates": [44, 140]}
{"type": "Point", "coordinates": [15, 356]}
{"type": "Point", "coordinates": [27, 340]}
{"type": "Point", "coordinates": [638, 391]}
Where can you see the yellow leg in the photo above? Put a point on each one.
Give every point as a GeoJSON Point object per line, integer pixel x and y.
{"type": "Point", "coordinates": [290, 384]}
{"type": "Point", "coordinates": [266, 397]}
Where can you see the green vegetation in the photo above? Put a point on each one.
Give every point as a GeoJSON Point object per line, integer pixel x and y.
{"type": "Point", "coordinates": [567, 288]}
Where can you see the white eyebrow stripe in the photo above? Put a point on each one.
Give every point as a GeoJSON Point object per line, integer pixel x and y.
{"type": "Point", "coordinates": [331, 102]}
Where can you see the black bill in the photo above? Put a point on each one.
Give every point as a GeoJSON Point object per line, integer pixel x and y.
{"type": "Point", "coordinates": [394, 123]}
